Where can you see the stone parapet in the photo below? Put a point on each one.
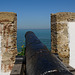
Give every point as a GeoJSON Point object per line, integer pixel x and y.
{"type": "Point", "coordinates": [63, 16]}
{"type": "Point", "coordinates": [8, 33]}
{"type": "Point", "coordinates": [7, 16]}
{"type": "Point", "coordinates": [59, 33]}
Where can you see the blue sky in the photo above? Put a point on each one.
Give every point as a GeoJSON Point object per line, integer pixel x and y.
{"type": "Point", "coordinates": [35, 14]}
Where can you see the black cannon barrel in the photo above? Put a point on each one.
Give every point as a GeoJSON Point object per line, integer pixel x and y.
{"type": "Point", "coordinates": [39, 60]}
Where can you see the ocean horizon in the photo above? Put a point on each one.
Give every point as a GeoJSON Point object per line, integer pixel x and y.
{"type": "Point", "coordinates": [44, 36]}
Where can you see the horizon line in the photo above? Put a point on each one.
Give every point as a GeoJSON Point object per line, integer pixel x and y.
{"type": "Point", "coordinates": [34, 28]}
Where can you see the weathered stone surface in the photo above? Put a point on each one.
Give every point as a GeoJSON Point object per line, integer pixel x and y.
{"type": "Point", "coordinates": [8, 32]}
{"type": "Point", "coordinates": [7, 16]}
{"type": "Point", "coordinates": [59, 33]}
{"type": "Point", "coordinates": [64, 16]}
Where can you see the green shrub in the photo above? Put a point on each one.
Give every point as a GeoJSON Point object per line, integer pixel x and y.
{"type": "Point", "coordinates": [22, 53]}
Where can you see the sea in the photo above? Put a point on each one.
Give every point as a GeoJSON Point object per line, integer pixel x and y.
{"type": "Point", "coordinates": [44, 36]}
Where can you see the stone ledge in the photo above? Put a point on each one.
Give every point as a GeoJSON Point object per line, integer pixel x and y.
{"type": "Point", "coordinates": [63, 13]}
{"type": "Point", "coordinates": [63, 16]}
{"type": "Point", "coordinates": [7, 16]}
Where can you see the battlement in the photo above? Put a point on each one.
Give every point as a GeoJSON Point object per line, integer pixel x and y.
{"type": "Point", "coordinates": [8, 40]}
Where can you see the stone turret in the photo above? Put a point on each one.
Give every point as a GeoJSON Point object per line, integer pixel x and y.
{"type": "Point", "coordinates": [8, 40]}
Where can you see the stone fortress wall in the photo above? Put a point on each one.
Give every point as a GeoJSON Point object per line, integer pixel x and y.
{"type": "Point", "coordinates": [60, 35]}
{"type": "Point", "coordinates": [8, 36]}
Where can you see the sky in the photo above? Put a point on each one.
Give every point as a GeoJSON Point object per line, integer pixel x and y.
{"type": "Point", "coordinates": [35, 14]}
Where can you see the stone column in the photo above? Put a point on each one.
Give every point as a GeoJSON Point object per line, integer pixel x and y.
{"type": "Point", "coordinates": [60, 34]}
{"type": "Point", "coordinates": [8, 33]}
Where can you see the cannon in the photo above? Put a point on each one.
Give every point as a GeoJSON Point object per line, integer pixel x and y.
{"type": "Point", "coordinates": [39, 60]}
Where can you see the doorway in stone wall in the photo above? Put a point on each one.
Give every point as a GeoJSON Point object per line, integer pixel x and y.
{"type": "Point", "coordinates": [71, 31]}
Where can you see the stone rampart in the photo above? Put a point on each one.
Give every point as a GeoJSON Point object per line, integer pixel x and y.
{"type": "Point", "coordinates": [8, 34]}
{"type": "Point", "coordinates": [60, 35]}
